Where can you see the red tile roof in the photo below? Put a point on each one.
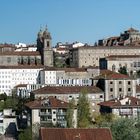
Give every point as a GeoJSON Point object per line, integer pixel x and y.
{"type": "Point", "coordinates": [23, 53]}
{"type": "Point", "coordinates": [107, 74]}
{"type": "Point", "coordinates": [67, 90]}
{"type": "Point", "coordinates": [21, 85]}
{"type": "Point", "coordinates": [52, 103]}
{"type": "Point", "coordinates": [75, 134]}
{"type": "Point", "coordinates": [114, 57]}
{"type": "Point", "coordinates": [23, 67]}
{"type": "Point", "coordinates": [69, 69]}
{"type": "Point", "coordinates": [115, 103]}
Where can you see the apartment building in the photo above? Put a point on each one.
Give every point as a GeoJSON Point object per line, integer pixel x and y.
{"type": "Point", "coordinates": [66, 93]}
{"type": "Point", "coordinates": [124, 107]}
{"type": "Point", "coordinates": [10, 76]}
{"type": "Point", "coordinates": [50, 112]}
{"type": "Point", "coordinates": [115, 85]}
{"type": "Point", "coordinates": [68, 76]}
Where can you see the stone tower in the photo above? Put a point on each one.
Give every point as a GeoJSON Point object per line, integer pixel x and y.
{"type": "Point", "coordinates": [44, 42]}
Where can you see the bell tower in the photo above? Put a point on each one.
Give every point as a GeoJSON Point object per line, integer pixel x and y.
{"type": "Point", "coordinates": [46, 51]}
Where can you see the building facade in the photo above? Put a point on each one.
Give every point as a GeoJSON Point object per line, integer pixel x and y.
{"type": "Point", "coordinates": [115, 85]}
{"type": "Point", "coordinates": [89, 56]}
{"type": "Point", "coordinates": [115, 62]}
{"type": "Point", "coordinates": [68, 76]}
{"type": "Point", "coordinates": [67, 93]}
{"type": "Point", "coordinates": [10, 76]}
{"type": "Point", "coordinates": [124, 107]}
{"type": "Point", "coordinates": [44, 46]}
{"type": "Point", "coordinates": [50, 112]}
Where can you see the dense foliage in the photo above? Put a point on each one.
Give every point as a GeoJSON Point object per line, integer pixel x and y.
{"type": "Point", "coordinates": [123, 70]}
{"type": "Point", "coordinates": [83, 111]}
{"type": "Point", "coordinates": [70, 113]}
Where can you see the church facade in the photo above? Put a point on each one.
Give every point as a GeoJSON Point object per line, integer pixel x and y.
{"type": "Point", "coordinates": [42, 56]}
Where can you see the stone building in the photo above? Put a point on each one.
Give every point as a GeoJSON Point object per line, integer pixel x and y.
{"type": "Point", "coordinates": [115, 62]}
{"type": "Point", "coordinates": [115, 85]}
{"type": "Point", "coordinates": [129, 37]}
{"type": "Point", "coordinates": [20, 58]}
{"type": "Point", "coordinates": [90, 55]}
{"type": "Point", "coordinates": [11, 55]}
{"type": "Point", "coordinates": [44, 46]}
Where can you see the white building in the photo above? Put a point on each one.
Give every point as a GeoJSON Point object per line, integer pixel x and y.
{"type": "Point", "coordinates": [77, 44]}
{"type": "Point", "coordinates": [50, 111]}
{"type": "Point", "coordinates": [7, 120]}
{"type": "Point", "coordinates": [10, 76]}
{"type": "Point", "coordinates": [24, 47]}
{"type": "Point", "coordinates": [68, 76]}
{"type": "Point", "coordinates": [124, 107]}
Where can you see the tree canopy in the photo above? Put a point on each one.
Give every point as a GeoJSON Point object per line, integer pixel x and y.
{"type": "Point", "coordinates": [84, 118]}
{"type": "Point", "coordinates": [123, 70]}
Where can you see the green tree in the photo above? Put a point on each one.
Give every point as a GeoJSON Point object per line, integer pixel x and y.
{"type": "Point", "coordinates": [83, 115]}
{"type": "Point", "coordinates": [11, 103]}
{"type": "Point", "coordinates": [104, 120]}
{"type": "Point", "coordinates": [3, 96]}
{"type": "Point", "coordinates": [26, 135]}
{"type": "Point", "coordinates": [124, 129]}
{"type": "Point", "coordinates": [70, 112]}
{"type": "Point", "coordinates": [123, 70]}
{"type": "Point", "coordinates": [138, 73]}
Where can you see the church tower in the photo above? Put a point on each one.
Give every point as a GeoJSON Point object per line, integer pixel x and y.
{"type": "Point", "coordinates": [44, 46]}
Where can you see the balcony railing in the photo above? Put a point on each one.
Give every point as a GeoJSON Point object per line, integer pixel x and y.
{"type": "Point", "coordinates": [45, 113]}
{"type": "Point", "coordinates": [126, 112]}
{"type": "Point", "coordinates": [45, 121]}
{"type": "Point", "coordinates": [61, 113]}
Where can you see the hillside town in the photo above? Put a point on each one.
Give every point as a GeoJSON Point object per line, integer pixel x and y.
{"type": "Point", "coordinates": [71, 91]}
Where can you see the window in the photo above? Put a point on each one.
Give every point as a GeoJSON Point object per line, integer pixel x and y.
{"type": "Point", "coordinates": [120, 82]}
{"type": "Point", "coordinates": [120, 89]}
{"type": "Point", "coordinates": [129, 82]}
{"type": "Point", "coordinates": [111, 89]}
{"type": "Point", "coordinates": [49, 117]}
{"type": "Point", "coordinates": [111, 82]}
{"type": "Point", "coordinates": [129, 89]}
{"type": "Point", "coordinates": [8, 59]}
{"type": "Point", "coordinates": [54, 119]}
{"type": "Point", "coordinates": [54, 112]}
{"type": "Point", "coordinates": [48, 43]}
{"type": "Point", "coordinates": [101, 96]}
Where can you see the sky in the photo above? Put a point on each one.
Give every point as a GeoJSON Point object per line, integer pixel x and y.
{"type": "Point", "coordinates": [85, 21]}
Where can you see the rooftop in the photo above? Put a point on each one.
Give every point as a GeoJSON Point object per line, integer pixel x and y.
{"type": "Point", "coordinates": [107, 74]}
{"type": "Point", "coordinates": [67, 89]}
{"type": "Point", "coordinates": [50, 102]}
{"type": "Point", "coordinates": [75, 134]}
{"type": "Point", "coordinates": [127, 101]}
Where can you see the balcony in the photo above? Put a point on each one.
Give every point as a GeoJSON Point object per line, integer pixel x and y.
{"type": "Point", "coordinates": [46, 121]}
{"type": "Point", "coordinates": [45, 113]}
{"type": "Point", "coordinates": [61, 113]}
{"type": "Point", "coordinates": [126, 112]}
